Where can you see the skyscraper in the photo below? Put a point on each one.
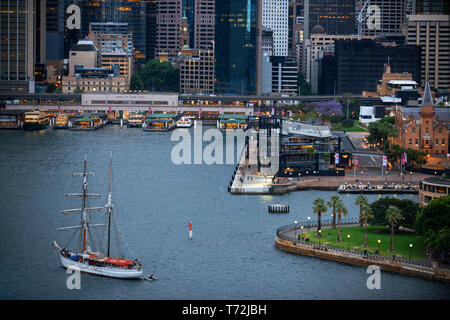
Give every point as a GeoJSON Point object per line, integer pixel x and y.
{"type": "Point", "coordinates": [55, 30]}
{"type": "Point", "coordinates": [123, 11]}
{"type": "Point", "coordinates": [275, 17]}
{"type": "Point", "coordinates": [432, 6]}
{"type": "Point", "coordinates": [432, 32]}
{"type": "Point", "coordinates": [392, 18]}
{"type": "Point", "coordinates": [235, 43]}
{"type": "Point", "coordinates": [17, 45]}
{"type": "Point", "coordinates": [204, 19]}
{"type": "Point", "coordinates": [335, 16]}
{"type": "Point", "coordinates": [360, 63]}
{"type": "Point", "coordinates": [168, 21]}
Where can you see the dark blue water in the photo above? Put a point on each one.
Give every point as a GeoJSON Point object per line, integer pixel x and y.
{"type": "Point", "coordinates": [232, 255]}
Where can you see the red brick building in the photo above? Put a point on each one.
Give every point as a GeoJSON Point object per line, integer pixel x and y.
{"type": "Point", "coordinates": [424, 129]}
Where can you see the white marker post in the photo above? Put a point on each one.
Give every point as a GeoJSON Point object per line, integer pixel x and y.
{"type": "Point", "coordinates": [190, 230]}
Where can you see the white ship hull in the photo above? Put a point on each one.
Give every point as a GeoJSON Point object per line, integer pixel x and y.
{"type": "Point", "coordinates": [184, 123]}
{"type": "Point", "coordinates": [112, 272]}
{"type": "Point", "coordinates": [102, 271]}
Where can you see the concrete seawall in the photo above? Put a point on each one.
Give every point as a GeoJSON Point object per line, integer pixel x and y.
{"type": "Point", "coordinates": [434, 273]}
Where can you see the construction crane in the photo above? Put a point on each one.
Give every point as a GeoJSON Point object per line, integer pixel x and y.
{"type": "Point", "coordinates": [362, 16]}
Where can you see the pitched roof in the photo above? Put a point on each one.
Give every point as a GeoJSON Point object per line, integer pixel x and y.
{"type": "Point", "coordinates": [427, 99]}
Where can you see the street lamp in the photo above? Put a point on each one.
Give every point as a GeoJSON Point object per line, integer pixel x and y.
{"type": "Point", "coordinates": [320, 235]}
{"type": "Point", "coordinates": [295, 222]}
{"type": "Point", "coordinates": [301, 228]}
{"type": "Point", "coordinates": [410, 177]}
{"type": "Point", "coordinates": [410, 247]}
{"type": "Point", "coordinates": [309, 218]}
{"type": "Point", "coordinates": [379, 241]}
{"type": "Point", "coordinates": [348, 242]}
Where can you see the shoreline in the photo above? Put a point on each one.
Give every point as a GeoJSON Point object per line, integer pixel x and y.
{"type": "Point", "coordinates": [418, 268]}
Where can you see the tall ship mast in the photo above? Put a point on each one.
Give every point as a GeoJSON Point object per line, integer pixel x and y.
{"type": "Point", "coordinates": [85, 259]}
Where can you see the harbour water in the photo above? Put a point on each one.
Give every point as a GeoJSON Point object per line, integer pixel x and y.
{"type": "Point", "coordinates": [231, 255]}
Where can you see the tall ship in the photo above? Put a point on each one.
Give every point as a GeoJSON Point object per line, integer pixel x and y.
{"type": "Point", "coordinates": [86, 259]}
{"type": "Point", "coordinates": [35, 120]}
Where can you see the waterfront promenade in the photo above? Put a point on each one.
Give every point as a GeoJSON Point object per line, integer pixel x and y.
{"type": "Point", "coordinates": [287, 238]}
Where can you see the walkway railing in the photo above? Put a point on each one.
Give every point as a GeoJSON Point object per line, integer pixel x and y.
{"type": "Point", "coordinates": [281, 233]}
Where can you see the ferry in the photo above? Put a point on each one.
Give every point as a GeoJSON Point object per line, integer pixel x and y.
{"type": "Point", "coordinates": [61, 122]}
{"type": "Point", "coordinates": [135, 120]}
{"type": "Point", "coordinates": [88, 121]}
{"type": "Point", "coordinates": [160, 122]}
{"type": "Point", "coordinates": [232, 122]}
{"type": "Point", "coordinates": [185, 122]}
{"type": "Point", "coordinates": [35, 120]}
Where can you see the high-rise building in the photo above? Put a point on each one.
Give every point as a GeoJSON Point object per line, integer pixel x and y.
{"type": "Point", "coordinates": [392, 17]}
{"type": "Point", "coordinates": [335, 16]}
{"type": "Point", "coordinates": [296, 21]}
{"type": "Point", "coordinates": [17, 45]}
{"type": "Point", "coordinates": [284, 75]}
{"type": "Point", "coordinates": [432, 7]}
{"type": "Point", "coordinates": [151, 29]}
{"type": "Point", "coordinates": [360, 63]}
{"type": "Point", "coordinates": [85, 54]}
{"type": "Point", "coordinates": [197, 71]}
{"type": "Point", "coordinates": [119, 11]}
{"type": "Point", "coordinates": [168, 21]}
{"type": "Point", "coordinates": [204, 19]}
{"type": "Point", "coordinates": [432, 32]}
{"type": "Point", "coordinates": [55, 30]}
{"type": "Point", "coordinates": [313, 48]}
{"type": "Point", "coordinates": [266, 64]}
{"type": "Point", "coordinates": [275, 15]}
{"type": "Point", "coordinates": [235, 44]}
{"type": "Point", "coordinates": [109, 36]}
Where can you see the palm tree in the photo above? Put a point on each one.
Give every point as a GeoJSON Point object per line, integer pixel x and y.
{"type": "Point", "coordinates": [341, 210]}
{"type": "Point", "coordinates": [366, 214]}
{"type": "Point", "coordinates": [393, 215]}
{"type": "Point", "coordinates": [360, 201]}
{"type": "Point", "coordinates": [332, 204]}
{"type": "Point", "coordinates": [319, 208]}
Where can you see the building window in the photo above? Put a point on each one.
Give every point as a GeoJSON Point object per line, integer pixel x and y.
{"type": "Point", "coordinates": [410, 141]}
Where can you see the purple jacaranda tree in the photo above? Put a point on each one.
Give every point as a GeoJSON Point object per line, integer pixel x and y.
{"type": "Point", "coordinates": [328, 108]}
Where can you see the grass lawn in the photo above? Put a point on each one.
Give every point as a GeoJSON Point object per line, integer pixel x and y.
{"type": "Point", "coordinates": [374, 233]}
{"type": "Point", "coordinates": [355, 128]}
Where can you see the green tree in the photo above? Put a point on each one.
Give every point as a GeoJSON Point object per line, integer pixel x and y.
{"type": "Point", "coordinates": [136, 82]}
{"type": "Point", "coordinates": [408, 208]}
{"type": "Point", "coordinates": [319, 208]}
{"type": "Point", "coordinates": [394, 154]}
{"type": "Point", "coordinates": [393, 216]}
{"type": "Point", "coordinates": [78, 91]}
{"type": "Point", "coordinates": [366, 214]}
{"type": "Point", "coordinates": [157, 76]}
{"type": "Point", "coordinates": [360, 201]}
{"type": "Point", "coordinates": [304, 88]}
{"type": "Point", "coordinates": [334, 200]}
{"type": "Point", "coordinates": [433, 221]}
{"type": "Point", "coordinates": [381, 131]}
{"type": "Point", "coordinates": [341, 211]}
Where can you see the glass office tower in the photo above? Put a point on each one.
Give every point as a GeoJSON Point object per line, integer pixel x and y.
{"type": "Point", "coordinates": [235, 46]}
{"type": "Point", "coordinates": [123, 11]}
